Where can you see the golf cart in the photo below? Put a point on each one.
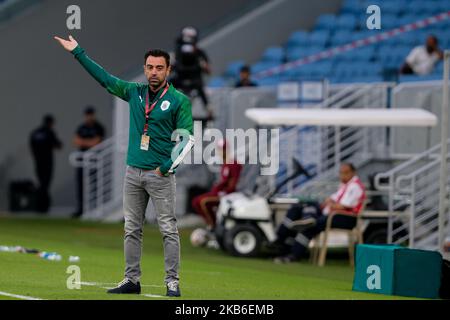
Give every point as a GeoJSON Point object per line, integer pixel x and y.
{"type": "Point", "coordinates": [246, 221]}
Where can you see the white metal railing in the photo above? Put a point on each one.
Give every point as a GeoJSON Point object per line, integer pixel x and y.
{"type": "Point", "coordinates": [330, 146]}
{"type": "Point", "coordinates": [99, 194]}
{"type": "Point", "coordinates": [413, 200]}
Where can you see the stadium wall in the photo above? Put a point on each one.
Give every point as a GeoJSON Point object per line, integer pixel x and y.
{"type": "Point", "coordinates": [38, 77]}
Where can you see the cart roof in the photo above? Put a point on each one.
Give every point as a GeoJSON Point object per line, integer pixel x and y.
{"type": "Point", "coordinates": [350, 117]}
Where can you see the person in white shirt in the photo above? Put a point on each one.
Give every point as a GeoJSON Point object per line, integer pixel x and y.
{"type": "Point", "coordinates": [422, 59]}
{"type": "Point", "coordinates": [306, 220]}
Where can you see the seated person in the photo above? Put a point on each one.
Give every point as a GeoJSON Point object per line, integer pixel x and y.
{"type": "Point", "coordinates": [422, 59]}
{"type": "Point", "coordinates": [206, 204]}
{"type": "Point", "coordinates": [306, 220]}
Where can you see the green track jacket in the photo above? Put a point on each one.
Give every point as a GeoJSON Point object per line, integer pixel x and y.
{"type": "Point", "coordinates": [172, 112]}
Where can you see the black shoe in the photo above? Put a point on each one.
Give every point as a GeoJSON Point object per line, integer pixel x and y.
{"type": "Point", "coordinates": [275, 246]}
{"type": "Point", "coordinates": [126, 287]}
{"type": "Point", "coordinates": [173, 289]}
{"type": "Point", "coordinates": [286, 259]}
{"type": "Point", "coordinates": [77, 214]}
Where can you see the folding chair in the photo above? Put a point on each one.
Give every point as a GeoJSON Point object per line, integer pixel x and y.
{"type": "Point", "coordinates": [319, 250]}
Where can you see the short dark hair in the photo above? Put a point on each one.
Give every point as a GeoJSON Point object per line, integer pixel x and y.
{"type": "Point", "coordinates": [157, 53]}
{"type": "Point", "coordinates": [89, 110]}
{"type": "Point", "coordinates": [48, 120]}
{"type": "Point", "coordinates": [434, 38]}
{"type": "Point", "coordinates": [245, 68]}
{"type": "Point", "coordinates": [350, 165]}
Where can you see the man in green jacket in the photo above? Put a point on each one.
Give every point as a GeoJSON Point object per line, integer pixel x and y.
{"type": "Point", "coordinates": [158, 114]}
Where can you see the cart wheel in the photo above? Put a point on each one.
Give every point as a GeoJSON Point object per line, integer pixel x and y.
{"type": "Point", "coordinates": [243, 240]}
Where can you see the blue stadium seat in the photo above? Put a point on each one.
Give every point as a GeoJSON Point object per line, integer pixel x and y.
{"type": "Point", "coordinates": [319, 38]}
{"type": "Point", "coordinates": [262, 66]}
{"type": "Point", "coordinates": [425, 7]}
{"type": "Point", "coordinates": [273, 54]}
{"type": "Point", "coordinates": [347, 22]}
{"type": "Point", "coordinates": [411, 78]}
{"type": "Point", "coordinates": [233, 68]}
{"type": "Point", "coordinates": [352, 6]}
{"type": "Point", "coordinates": [326, 21]}
{"type": "Point", "coordinates": [395, 7]}
{"type": "Point", "coordinates": [389, 21]}
{"type": "Point", "coordinates": [298, 38]}
{"type": "Point", "coordinates": [341, 37]}
{"type": "Point", "coordinates": [360, 54]}
{"type": "Point", "coordinates": [294, 53]}
{"type": "Point", "coordinates": [217, 82]}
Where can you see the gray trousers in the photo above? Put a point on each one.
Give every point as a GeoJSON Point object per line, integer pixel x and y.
{"type": "Point", "coordinates": [139, 186]}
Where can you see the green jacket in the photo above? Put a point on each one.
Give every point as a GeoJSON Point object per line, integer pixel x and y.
{"type": "Point", "coordinates": [172, 112]}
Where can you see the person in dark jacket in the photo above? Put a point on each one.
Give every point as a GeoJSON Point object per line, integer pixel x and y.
{"type": "Point", "coordinates": [43, 141]}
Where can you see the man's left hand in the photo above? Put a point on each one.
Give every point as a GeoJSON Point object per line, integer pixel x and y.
{"type": "Point", "coordinates": [158, 172]}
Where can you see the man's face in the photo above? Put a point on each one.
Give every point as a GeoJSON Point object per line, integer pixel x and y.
{"type": "Point", "coordinates": [156, 71]}
{"type": "Point", "coordinates": [245, 75]}
{"type": "Point", "coordinates": [431, 43]}
{"type": "Point", "coordinates": [89, 118]}
{"type": "Point", "coordinates": [345, 173]}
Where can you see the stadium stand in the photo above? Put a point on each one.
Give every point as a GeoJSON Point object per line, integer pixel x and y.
{"type": "Point", "coordinates": [374, 62]}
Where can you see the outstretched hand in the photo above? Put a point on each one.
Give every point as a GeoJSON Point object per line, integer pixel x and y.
{"type": "Point", "coordinates": [69, 45]}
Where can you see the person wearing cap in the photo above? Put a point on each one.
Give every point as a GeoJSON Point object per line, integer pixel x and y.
{"type": "Point", "coordinates": [206, 204]}
{"type": "Point", "coordinates": [43, 141]}
{"type": "Point", "coordinates": [191, 62]}
{"type": "Point", "coordinates": [89, 134]}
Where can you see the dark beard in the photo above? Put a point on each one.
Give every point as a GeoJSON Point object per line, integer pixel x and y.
{"type": "Point", "coordinates": [156, 86]}
{"type": "Point", "coordinates": [430, 49]}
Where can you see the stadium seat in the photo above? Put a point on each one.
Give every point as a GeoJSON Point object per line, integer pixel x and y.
{"type": "Point", "coordinates": [326, 22]}
{"type": "Point", "coordinates": [273, 54]}
{"type": "Point", "coordinates": [346, 22]}
{"type": "Point", "coordinates": [352, 6]}
{"type": "Point", "coordinates": [355, 236]}
{"type": "Point", "coordinates": [319, 38]}
{"type": "Point", "coordinates": [414, 78]}
{"type": "Point", "coordinates": [425, 7]}
{"type": "Point", "coordinates": [397, 7]}
{"type": "Point", "coordinates": [341, 37]}
{"type": "Point", "coordinates": [295, 53]}
{"type": "Point", "coordinates": [262, 66]}
{"type": "Point", "coordinates": [217, 82]}
{"type": "Point", "coordinates": [298, 38]}
{"type": "Point", "coordinates": [233, 68]}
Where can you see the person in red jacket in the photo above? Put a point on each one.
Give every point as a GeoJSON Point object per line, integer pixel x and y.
{"type": "Point", "coordinates": [206, 204]}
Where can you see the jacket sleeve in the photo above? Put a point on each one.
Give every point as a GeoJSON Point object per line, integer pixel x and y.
{"type": "Point", "coordinates": [185, 130]}
{"type": "Point", "coordinates": [114, 85]}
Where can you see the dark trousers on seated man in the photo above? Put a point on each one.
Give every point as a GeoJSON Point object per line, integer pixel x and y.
{"type": "Point", "coordinates": [294, 221]}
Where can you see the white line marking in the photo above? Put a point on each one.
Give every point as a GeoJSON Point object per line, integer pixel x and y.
{"type": "Point", "coordinates": [18, 296]}
{"type": "Point", "coordinates": [153, 296]}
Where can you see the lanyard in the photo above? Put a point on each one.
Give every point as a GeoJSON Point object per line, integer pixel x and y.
{"type": "Point", "coordinates": [148, 109]}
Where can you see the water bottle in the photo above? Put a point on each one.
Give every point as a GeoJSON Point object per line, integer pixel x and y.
{"type": "Point", "coordinates": [74, 259]}
{"type": "Point", "coordinates": [53, 256]}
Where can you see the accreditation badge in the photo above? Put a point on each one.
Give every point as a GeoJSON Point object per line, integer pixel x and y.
{"type": "Point", "coordinates": [145, 142]}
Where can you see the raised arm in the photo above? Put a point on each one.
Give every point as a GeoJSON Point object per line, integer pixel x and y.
{"type": "Point", "coordinates": [114, 85]}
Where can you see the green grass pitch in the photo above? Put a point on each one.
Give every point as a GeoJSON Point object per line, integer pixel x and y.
{"type": "Point", "coordinates": [204, 273]}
